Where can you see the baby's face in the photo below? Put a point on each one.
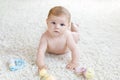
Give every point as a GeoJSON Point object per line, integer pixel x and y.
{"type": "Point", "coordinates": [57, 24]}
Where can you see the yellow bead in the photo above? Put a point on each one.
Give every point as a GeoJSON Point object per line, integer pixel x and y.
{"type": "Point", "coordinates": [45, 76]}
{"type": "Point", "coordinates": [89, 74]}
{"type": "Point", "coordinates": [50, 77]}
{"type": "Point", "coordinates": [43, 72]}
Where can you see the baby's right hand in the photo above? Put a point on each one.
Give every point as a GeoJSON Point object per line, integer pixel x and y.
{"type": "Point", "coordinates": [43, 67]}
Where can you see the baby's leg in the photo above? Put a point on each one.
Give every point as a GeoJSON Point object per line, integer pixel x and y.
{"type": "Point", "coordinates": [75, 32]}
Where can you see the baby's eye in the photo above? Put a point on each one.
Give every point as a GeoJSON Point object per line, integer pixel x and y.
{"type": "Point", "coordinates": [53, 22]}
{"type": "Point", "coordinates": [62, 24]}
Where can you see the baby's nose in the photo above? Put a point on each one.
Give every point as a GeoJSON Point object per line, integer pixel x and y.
{"type": "Point", "coordinates": [57, 26]}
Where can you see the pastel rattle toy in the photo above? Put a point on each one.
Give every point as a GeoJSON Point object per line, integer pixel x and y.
{"type": "Point", "coordinates": [87, 73]}
{"type": "Point", "coordinates": [16, 64]}
{"type": "Point", "coordinates": [45, 76]}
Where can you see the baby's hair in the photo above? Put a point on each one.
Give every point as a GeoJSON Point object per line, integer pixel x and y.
{"type": "Point", "coordinates": [59, 10]}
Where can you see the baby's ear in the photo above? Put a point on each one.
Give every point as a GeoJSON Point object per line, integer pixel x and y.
{"type": "Point", "coordinates": [46, 20]}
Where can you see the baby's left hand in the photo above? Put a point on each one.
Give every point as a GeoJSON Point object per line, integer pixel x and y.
{"type": "Point", "coordinates": [71, 66]}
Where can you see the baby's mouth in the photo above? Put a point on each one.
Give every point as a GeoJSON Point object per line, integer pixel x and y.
{"type": "Point", "coordinates": [56, 31]}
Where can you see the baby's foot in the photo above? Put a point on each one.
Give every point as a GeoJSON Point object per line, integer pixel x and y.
{"type": "Point", "coordinates": [74, 27]}
{"type": "Point", "coordinates": [71, 66]}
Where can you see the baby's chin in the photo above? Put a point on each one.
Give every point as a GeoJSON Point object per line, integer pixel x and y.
{"type": "Point", "coordinates": [56, 33]}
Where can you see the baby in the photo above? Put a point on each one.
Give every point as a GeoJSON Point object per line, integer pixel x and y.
{"type": "Point", "coordinates": [60, 36]}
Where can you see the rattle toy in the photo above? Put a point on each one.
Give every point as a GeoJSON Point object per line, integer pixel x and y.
{"type": "Point", "coordinates": [87, 73]}
{"type": "Point", "coordinates": [16, 64]}
{"type": "Point", "coordinates": [45, 76]}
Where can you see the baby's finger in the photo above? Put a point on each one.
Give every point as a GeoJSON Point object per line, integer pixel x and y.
{"type": "Point", "coordinates": [69, 66]}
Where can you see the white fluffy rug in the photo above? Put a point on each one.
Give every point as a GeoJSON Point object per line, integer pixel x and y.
{"type": "Point", "coordinates": [23, 21]}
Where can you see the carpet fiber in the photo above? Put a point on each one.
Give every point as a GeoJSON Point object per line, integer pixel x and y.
{"type": "Point", "coordinates": [23, 21]}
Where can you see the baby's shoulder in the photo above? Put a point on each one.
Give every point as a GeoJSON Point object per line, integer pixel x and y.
{"type": "Point", "coordinates": [68, 32]}
{"type": "Point", "coordinates": [44, 35]}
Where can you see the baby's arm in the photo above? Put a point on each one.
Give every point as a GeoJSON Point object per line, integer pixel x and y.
{"type": "Point", "coordinates": [74, 52]}
{"type": "Point", "coordinates": [41, 52]}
